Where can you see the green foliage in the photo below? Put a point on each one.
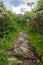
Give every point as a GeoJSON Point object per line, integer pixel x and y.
{"type": "Point", "coordinates": [6, 25]}
{"type": "Point", "coordinates": [35, 21]}
{"type": "Point", "coordinates": [32, 29]}
{"type": "Point", "coordinates": [37, 41]}
{"type": "Point", "coordinates": [2, 5]}
{"type": "Point", "coordinates": [21, 20]}
{"type": "Point", "coordinates": [39, 21]}
{"type": "Point", "coordinates": [3, 58]}
{"type": "Point", "coordinates": [39, 5]}
{"type": "Point", "coordinates": [11, 24]}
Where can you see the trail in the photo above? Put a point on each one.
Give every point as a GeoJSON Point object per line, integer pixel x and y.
{"type": "Point", "coordinates": [24, 52]}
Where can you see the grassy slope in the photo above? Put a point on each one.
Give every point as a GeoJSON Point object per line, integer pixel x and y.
{"type": "Point", "coordinates": [37, 41]}
{"type": "Point", "coordinates": [10, 38]}
{"type": "Point", "coordinates": [8, 44]}
{"type": "Point", "coordinates": [35, 38]}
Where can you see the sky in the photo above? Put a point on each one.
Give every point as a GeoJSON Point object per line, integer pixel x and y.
{"type": "Point", "coordinates": [18, 6]}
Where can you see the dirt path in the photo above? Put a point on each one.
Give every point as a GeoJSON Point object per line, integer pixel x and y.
{"type": "Point", "coordinates": [23, 50]}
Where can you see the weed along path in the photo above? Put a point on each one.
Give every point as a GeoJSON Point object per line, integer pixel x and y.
{"type": "Point", "coordinates": [23, 53]}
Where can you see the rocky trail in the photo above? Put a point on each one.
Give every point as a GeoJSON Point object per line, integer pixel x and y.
{"type": "Point", "coordinates": [22, 51]}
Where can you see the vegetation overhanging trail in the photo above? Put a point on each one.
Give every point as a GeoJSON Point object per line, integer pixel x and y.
{"type": "Point", "coordinates": [21, 36]}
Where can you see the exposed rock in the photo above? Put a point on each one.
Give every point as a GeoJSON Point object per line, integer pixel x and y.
{"type": "Point", "coordinates": [12, 60]}
{"type": "Point", "coordinates": [28, 62]}
{"type": "Point", "coordinates": [23, 48]}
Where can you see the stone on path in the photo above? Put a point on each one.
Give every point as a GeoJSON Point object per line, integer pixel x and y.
{"type": "Point", "coordinates": [12, 60]}
{"type": "Point", "coordinates": [22, 47]}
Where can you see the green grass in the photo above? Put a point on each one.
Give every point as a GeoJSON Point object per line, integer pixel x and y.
{"type": "Point", "coordinates": [15, 63]}
{"type": "Point", "coordinates": [3, 58]}
{"type": "Point", "coordinates": [34, 37]}
{"type": "Point", "coordinates": [7, 43]}
{"type": "Point", "coordinates": [36, 41]}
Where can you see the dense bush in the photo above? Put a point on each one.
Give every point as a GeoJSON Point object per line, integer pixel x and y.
{"type": "Point", "coordinates": [21, 20]}
{"type": "Point", "coordinates": [6, 24]}
{"type": "Point", "coordinates": [39, 21]}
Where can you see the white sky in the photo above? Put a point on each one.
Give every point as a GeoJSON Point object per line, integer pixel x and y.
{"type": "Point", "coordinates": [20, 9]}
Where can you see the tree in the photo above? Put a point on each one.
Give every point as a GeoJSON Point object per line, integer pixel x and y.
{"type": "Point", "coordinates": [2, 5]}
{"type": "Point", "coordinates": [39, 5]}
{"type": "Point", "coordinates": [6, 23]}
{"type": "Point", "coordinates": [39, 16]}
{"type": "Point", "coordinates": [31, 4]}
